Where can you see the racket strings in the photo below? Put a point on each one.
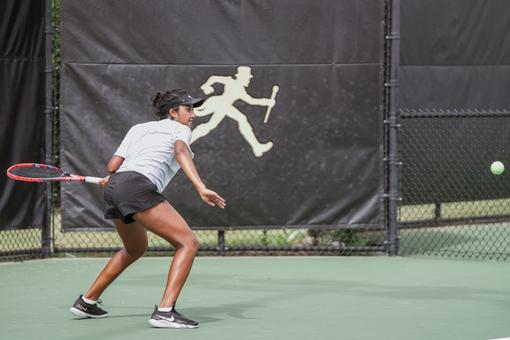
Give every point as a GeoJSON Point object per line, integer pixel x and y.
{"type": "Point", "coordinates": [38, 172]}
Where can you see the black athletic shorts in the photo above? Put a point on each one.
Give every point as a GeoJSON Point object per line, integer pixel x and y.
{"type": "Point", "coordinates": [127, 193]}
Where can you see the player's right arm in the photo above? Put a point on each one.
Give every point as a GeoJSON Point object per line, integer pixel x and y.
{"type": "Point", "coordinates": [123, 150]}
{"type": "Point", "coordinates": [114, 164]}
{"type": "Point", "coordinates": [118, 157]}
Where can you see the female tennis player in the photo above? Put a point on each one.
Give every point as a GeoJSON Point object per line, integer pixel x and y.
{"type": "Point", "coordinates": [145, 162]}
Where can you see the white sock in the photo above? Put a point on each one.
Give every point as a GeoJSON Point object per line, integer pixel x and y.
{"type": "Point", "coordinates": [165, 309]}
{"type": "Point", "coordinates": [90, 302]}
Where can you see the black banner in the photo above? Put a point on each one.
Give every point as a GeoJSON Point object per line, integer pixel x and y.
{"type": "Point", "coordinates": [22, 95]}
{"type": "Point", "coordinates": [315, 158]}
{"type": "Point", "coordinates": [455, 54]}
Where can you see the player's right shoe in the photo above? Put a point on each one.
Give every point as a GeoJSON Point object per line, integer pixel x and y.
{"type": "Point", "coordinates": [171, 319]}
{"type": "Point", "coordinates": [87, 310]}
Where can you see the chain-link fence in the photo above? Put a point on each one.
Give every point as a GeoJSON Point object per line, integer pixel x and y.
{"type": "Point", "coordinates": [452, 205]}
{"type": "Point", "coordinates": [20, 244]}
{"type": "Point", "coordinates": [28, 243]}
{"type": "Point", "coordinates": [234, 241]}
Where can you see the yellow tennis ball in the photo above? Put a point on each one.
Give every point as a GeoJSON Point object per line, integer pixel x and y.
{"type": "Point", "coordinates": [497, 168]}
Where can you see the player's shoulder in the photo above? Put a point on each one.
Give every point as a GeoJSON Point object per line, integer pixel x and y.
{"type": "Point", "coordinates": [180, 127]}
{"type": "Point", "coordinates": [185, 128]}
{"type": "Point", "coordinates": [139, 129]}
{"type": "Point", "coordinates": [141, 126]}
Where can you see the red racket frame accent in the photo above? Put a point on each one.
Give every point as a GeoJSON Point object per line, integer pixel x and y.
{"type": "Point", "coordinates": [45, 179]}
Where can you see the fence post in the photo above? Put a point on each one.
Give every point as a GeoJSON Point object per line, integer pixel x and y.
{"type": "Point", "coordinates": [48, 116]}
{"type": "Point", "coordinates": [221, 242]}
{"type": "Point", "coordinates": [393, 163]}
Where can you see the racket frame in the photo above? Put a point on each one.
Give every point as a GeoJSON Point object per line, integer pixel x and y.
{"type": "Point", "coordinates": [65, 178]}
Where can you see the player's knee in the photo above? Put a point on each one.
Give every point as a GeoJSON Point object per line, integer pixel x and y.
{"type": "Point", "coordinates": [137, 252]}
{"type": "Point", "coordinates": [192, 244]}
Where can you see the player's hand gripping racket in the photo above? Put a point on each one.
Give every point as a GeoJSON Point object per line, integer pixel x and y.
{"type": "Point", "coordinates": [34, 172]}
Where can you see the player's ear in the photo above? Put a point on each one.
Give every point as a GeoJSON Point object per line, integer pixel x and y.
{"type": "Point", "coordinates": [172, 112]}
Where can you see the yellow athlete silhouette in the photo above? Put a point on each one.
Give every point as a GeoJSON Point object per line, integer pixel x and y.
{"type": "Point", "coordinates": [222, 105]}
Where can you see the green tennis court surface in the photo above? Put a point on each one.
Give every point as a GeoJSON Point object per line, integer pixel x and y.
{"type": "Point", "coordinates": [267, 298]}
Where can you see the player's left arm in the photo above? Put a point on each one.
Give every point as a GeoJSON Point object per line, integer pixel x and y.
{"type": "Point", "coordinates": [183, 156]}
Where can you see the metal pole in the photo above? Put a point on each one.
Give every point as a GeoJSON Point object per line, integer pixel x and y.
{"type": "Point", "coordinates": [393, 194]}
{"type": "Point", "coordinates": [48, 113]}
{"type": "Point", "coordinates": [221, 242]}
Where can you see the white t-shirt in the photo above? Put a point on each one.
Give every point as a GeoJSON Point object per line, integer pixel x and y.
{"type": "Point", "coordinates": [148, 149]}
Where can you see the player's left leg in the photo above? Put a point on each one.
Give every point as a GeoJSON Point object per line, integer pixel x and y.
{"type": "Point", "coordinates": [166, 222]}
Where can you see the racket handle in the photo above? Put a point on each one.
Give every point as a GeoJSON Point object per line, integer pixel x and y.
{"type": "Point", "coordinates": [89, 179]}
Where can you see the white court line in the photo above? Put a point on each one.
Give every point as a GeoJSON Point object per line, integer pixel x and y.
{"type": "Point", "coordinates": [501, 339]}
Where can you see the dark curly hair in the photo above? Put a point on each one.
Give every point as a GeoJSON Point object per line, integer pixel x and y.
{"type": "Point", "coordinates": [161, 102]}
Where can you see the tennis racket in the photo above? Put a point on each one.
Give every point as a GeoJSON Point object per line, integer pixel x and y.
{"type": "Point", "coordinates": [34, 172]}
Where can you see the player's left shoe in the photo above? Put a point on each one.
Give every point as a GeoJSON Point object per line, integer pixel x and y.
{"type": "Point", "coordinates": [171, 319]}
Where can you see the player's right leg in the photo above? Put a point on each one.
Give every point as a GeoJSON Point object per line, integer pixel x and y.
{"type": "Point", "coordinates": [134, 238]}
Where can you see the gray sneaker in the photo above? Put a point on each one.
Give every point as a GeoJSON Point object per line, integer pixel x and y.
{"type": "Point", "coordinates": [87, 310]}
{"type": "Point", "coordinates": [172, 319]}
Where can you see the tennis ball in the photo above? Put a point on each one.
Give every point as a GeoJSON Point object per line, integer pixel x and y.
{"type": "Point", "coordinates": [497, 168]}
